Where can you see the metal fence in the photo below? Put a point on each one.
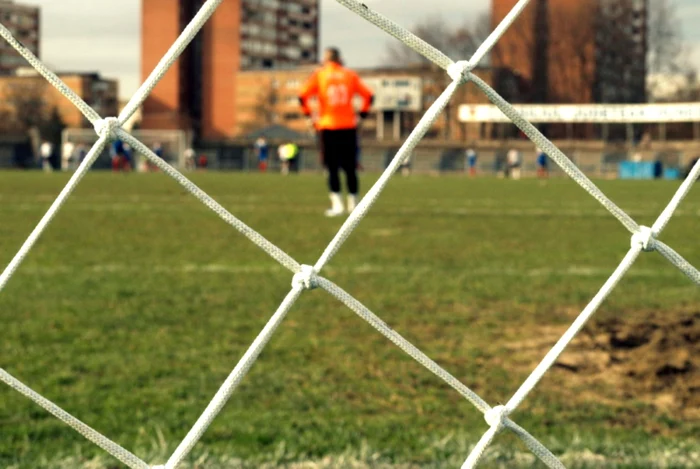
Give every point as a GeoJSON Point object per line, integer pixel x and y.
{"type": "Point", "coordinates": [600, 162]}
{"type": "Point", "coordinates": [594, 158]}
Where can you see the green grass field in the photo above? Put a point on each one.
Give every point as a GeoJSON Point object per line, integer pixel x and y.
{"type": "Point", "coordinates": [138, 301]}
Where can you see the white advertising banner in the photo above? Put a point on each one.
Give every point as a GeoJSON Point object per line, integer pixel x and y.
{"type": "Point", "coordinates": [396, 93]}
{"type": "Point", "coordinates": [587, 113]}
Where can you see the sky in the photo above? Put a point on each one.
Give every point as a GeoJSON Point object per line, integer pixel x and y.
{"type": "Point", "coordinates": [104, 35]}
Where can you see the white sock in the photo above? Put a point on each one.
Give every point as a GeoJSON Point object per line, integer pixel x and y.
{"type": "Point", "coordinates": [352, 202]}
{"type": "Point", "coordinates": [336, 202]}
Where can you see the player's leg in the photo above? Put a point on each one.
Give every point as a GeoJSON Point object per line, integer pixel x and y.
{"type": "Point", "coordinates": [329, 147]}
{"type": "Point", "coordinates": [348, 163]}
{"type": "Point", "coordinates": [127, 163]}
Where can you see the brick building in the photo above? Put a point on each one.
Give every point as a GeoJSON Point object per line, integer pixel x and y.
{"type": "Point", "coordinates": [198, 93]}
{"type": "Point", "coordinates": [270, 97]}
{"type": "Point", "coordinates": [28, 92]}
{"type": "Point", "coordinates": [573, 51]}
{"type": "Point", "coordinates": [23, 23]}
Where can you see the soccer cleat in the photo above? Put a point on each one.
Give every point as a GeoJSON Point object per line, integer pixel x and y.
{"type": "Point", "coordinates": [352, 202]}
{"type": "Point", "coordinates": [336, 209]}
{"type": "Point", "coordinates": [333, 213]}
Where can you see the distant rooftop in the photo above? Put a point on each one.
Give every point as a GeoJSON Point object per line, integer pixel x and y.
{"type": "Point", "coordinates": [31, 72]}
{"type": "Point", "coordinates": [379, 68]}
{"type": "Point", "coordinates": [17, 6]}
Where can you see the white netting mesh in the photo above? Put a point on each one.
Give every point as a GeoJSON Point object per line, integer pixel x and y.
{"type": "Point", "coordinates": [307, 277]}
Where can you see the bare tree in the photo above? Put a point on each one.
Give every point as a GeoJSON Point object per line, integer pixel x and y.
{"type": "Point", "coordinates": [457, 42]}
{"type": "Point", "coordinates": [668, 54]}
{"type": "Point", "coordinates": [26, 105]}
{"type": "Point", "coordinates": [25, 110]}
{"type": "Point", "coordinates": [52, 127]}
{"type": "Point", "coordinates": [265, 109]}
{"type": "Point", "coordinates": [666, 51]}
{"type": "Point", "coordinates": [596, 49]}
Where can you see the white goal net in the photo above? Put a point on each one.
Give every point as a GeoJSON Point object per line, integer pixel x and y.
{"type": "Point", "coordinates": [305, 277]}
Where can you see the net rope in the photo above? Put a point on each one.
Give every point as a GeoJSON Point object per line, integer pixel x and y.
{"type": "Point", "coordinates": [306, 277]}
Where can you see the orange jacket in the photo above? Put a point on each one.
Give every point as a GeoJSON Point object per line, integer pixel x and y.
{"type": "Point", "coordinates": [335, 87]}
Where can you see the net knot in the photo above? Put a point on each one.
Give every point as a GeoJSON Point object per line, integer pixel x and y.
{"type": "Point", "coordinates": [496, 416]}
{"type": "Point", "coordinates": [306, 278]}
{"type": "Point", "coordinates": [459, 71]}
{"type": "Point", "coordinates": [644, 238]}
{"type": "Point", "coordinates": [159, 466]}
{"type": "Point", "coordinates": [107, 127]}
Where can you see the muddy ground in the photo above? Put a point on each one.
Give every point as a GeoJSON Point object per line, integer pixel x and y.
{"type": "Point", "coordinates": [654, 360]}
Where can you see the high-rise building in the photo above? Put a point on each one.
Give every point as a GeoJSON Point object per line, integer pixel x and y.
{"type": "Point", "coordinates": [278, 33]}
{"type": "Point", "coordinates": [621, 71]}
{"type": "Point", "coordinates": [573, 51]}
{"type": "Point", "coordinates": [23, 23]}
{"type": "Point", "coordinates": [199, 92]}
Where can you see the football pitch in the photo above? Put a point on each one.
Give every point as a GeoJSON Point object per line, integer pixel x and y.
{"type": "Point", "coordinates": [138, 301]}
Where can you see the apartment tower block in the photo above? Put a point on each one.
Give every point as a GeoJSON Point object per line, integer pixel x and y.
{"type": "Point", "coordinates": [199, 92]}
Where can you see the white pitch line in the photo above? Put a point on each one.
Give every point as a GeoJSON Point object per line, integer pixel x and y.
{"type": "Point", "coordinates": [472, 210]}
{"type": "Point", "coordinates": [572, 271]}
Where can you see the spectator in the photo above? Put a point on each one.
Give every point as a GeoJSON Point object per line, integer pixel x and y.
{"type": "Point", "coordinates": [513, 164]}
{"type": "Point", "coordinates": [117, 153]}
{"type": "Point", "coordinates": [542, 164]}
{"type": "Point", "coordinates": [127, 161]}
{"type": "Point", "coordinates": [159, 152]}
{"type": "Point", "coordinates": [202, 162]}
{"type": "Point", "coordinates": [67, 156]}
{"type": "Point", "coordinates": [262, 151]}
{"type": "Point", "coordinates": [471, 161]}
{"type": "Point", "coordinates": [189, 156]}
{"type": "Point", "coordinates": [293, 150]}
{"type": "Point", "coordinates": [285, 154]}
{"type": "Point", "coordinates": [80, 153]}
{"type": "Point", "coordinates": [46, 152]}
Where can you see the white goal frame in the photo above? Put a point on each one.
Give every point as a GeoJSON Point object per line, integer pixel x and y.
{"type": "Point", "coordinates": [307, 277]}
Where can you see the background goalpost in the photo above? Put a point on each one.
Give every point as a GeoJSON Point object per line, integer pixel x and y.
{"type": "Point", "coordinates": [306, 277]}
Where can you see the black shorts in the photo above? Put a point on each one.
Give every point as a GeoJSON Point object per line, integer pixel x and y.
{"type": "Point", "coordinates": [339, 147]}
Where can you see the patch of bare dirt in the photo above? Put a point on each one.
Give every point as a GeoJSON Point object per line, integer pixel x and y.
{"type": "Point", "coordinates": [656, 360]}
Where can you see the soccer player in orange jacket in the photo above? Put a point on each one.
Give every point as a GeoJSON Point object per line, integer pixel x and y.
{"type": "Point", "coordinates": [335, 87]}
